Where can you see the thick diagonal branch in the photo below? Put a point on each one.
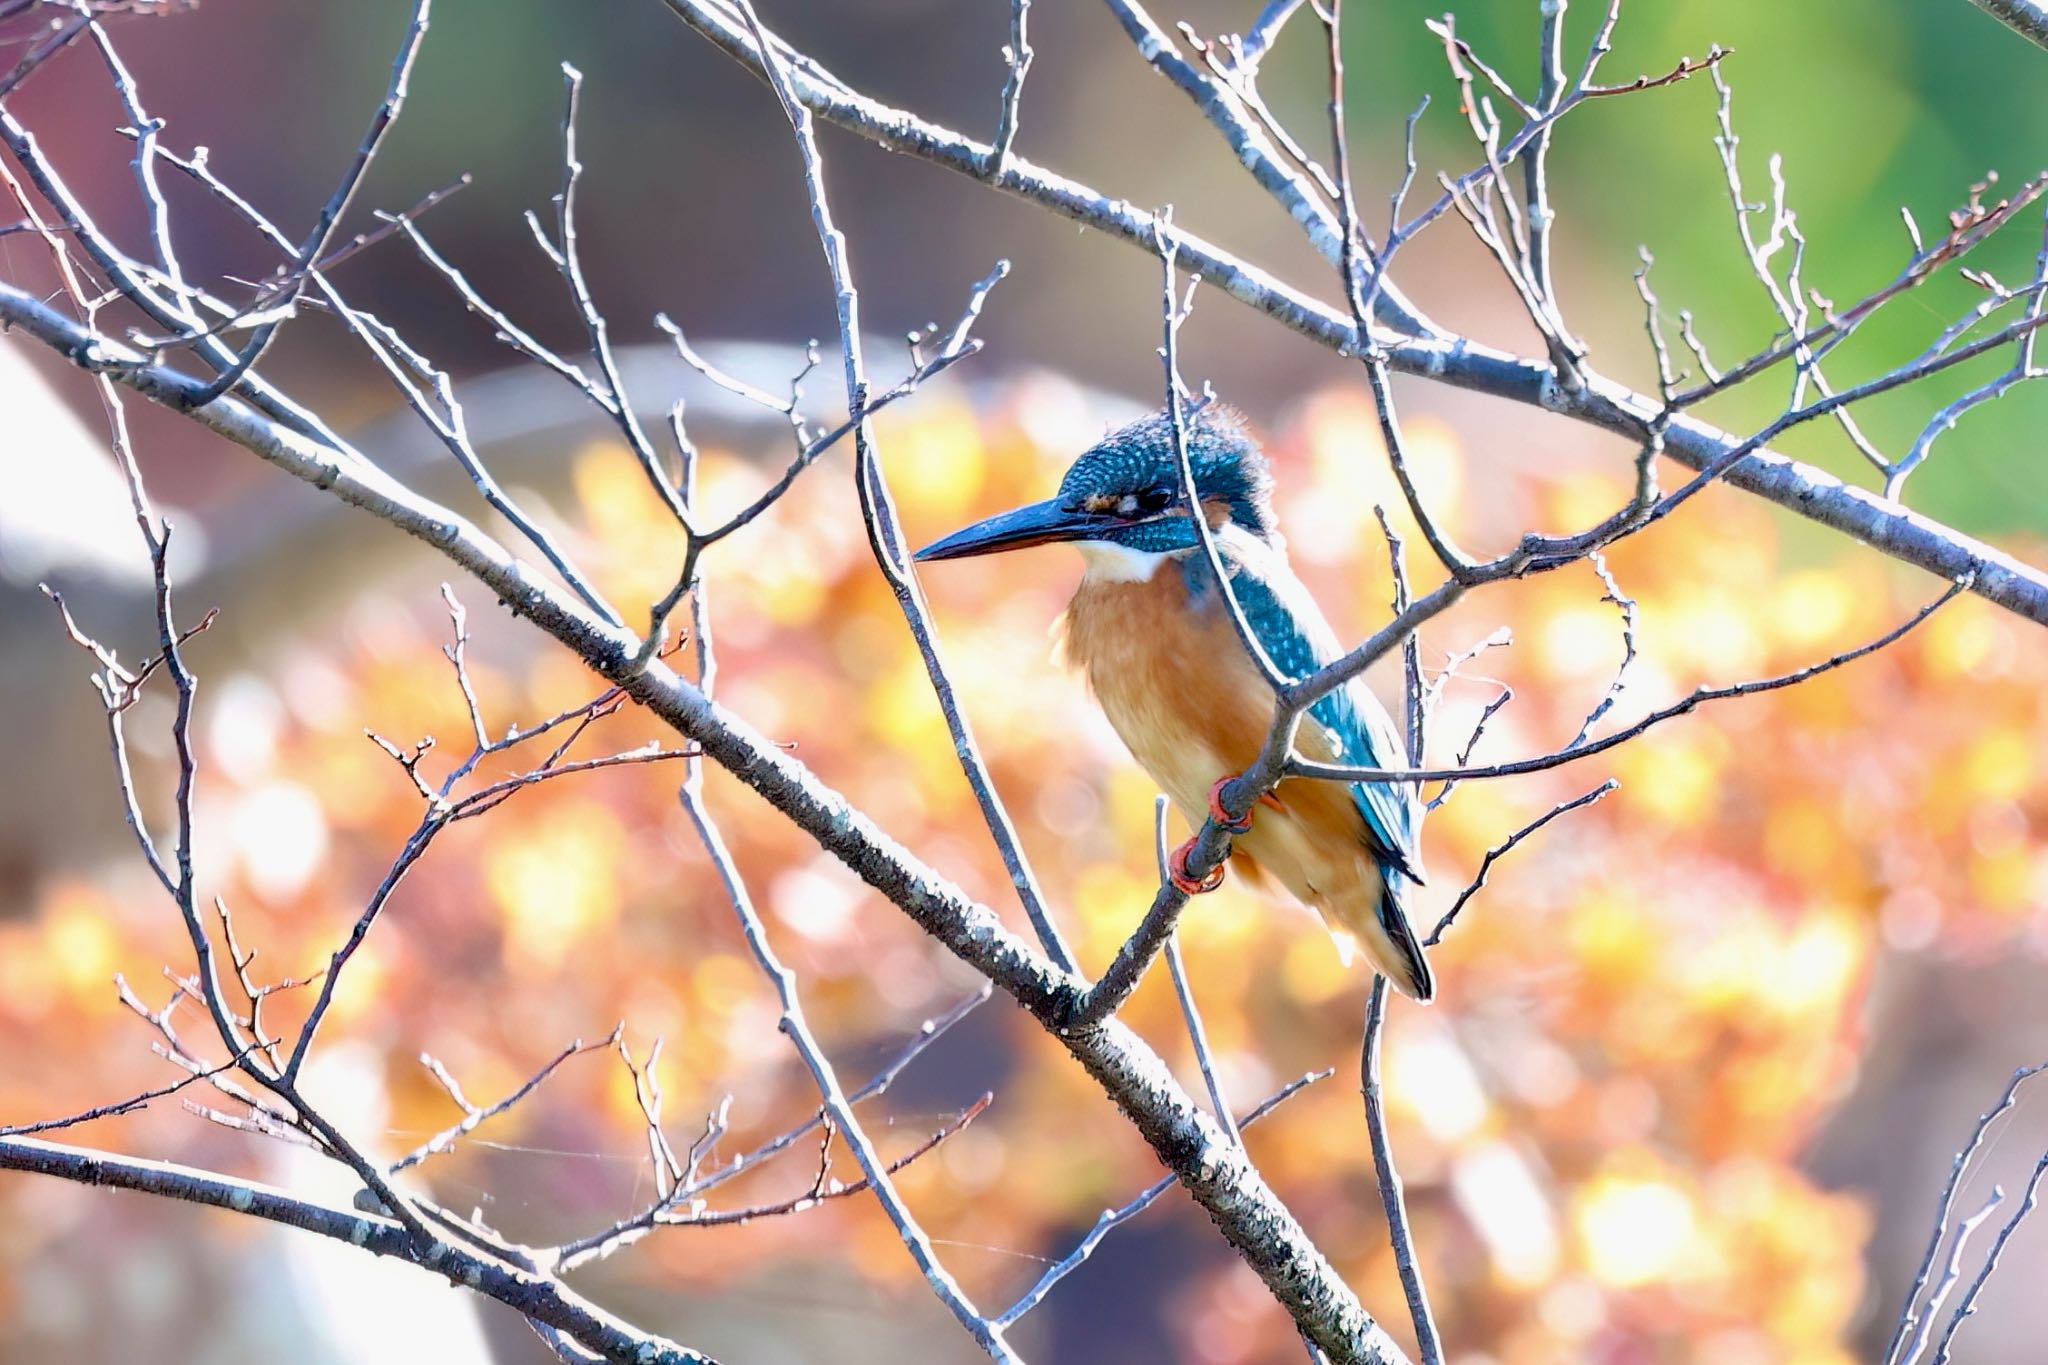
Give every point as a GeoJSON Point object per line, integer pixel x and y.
{"type": "Point", "coordinates": [537, 1296]}
{"type": "Point", "coordinates": [1186, 1140]}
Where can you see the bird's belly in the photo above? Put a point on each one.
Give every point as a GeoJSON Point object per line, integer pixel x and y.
{"type": "Point", "coordinates": [1173, 679]}
{"type": "Point", "coordinates": [1323, 863]}
{"type": "Point", "coordinates": [1192, 707]}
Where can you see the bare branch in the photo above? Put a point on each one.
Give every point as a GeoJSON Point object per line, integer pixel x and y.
{"type": "Point", "coordinates": [1259, 38]}
{"type": "Point", "coordinates": [1789, 299]}
{"type": "Point", "coordinates": [127, 1106]}
{"type": "Point", "coordinates": [1999, 577]}
{"type": "Point", "coordinates": [823, 1188]}
{"type": "Point", "coordinates": [1112, 1218]}
{"type": "Point", "coordinates": [1247, 141]}
{"type": "Point", "coordinates": [1017, 56]}
{"type": "Point", "coordinates": [697, 1182]}
{"type": "Point", "coordinates": [474, 1117]}
{"type": "Point", "coordinates": [567, 256]}
{"type": "Point", "coordinates": [535, 1296]}
{"type": "Point", "coordinates": [1952, 1272]}
{"type": "Point", "coordinates": [878, 509]}
{"type": "Point", "coordinates": [1626, 605]}
{"type": "Point", "coordinates": [1393, 1200]}
{"type": "Point", "coordinates": [1944, 1211]}
{"type": "Point", "coordinates": [1507, 846]}
{"type": "Point", "coordinates": [395, 358]}
{"type": "Point", "coordinates": [1536, 165]}
{"type": "Point", "coordinates": [2023, 368]}
{"type": "Point", "coordinates": [316, 243]}
{"type": "Point", "coordinates": [958, 346]}
{"type": "Point", "coordinates": [1967, 1306]}
{"type": "Point", "coordinates": [1684, 706]}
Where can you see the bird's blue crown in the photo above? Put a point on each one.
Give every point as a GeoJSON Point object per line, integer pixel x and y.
{"type": "Point", "coordinates": [1135, 473]}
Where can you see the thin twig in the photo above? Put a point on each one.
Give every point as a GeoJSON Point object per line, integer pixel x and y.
{"type": "Point", "coordinates": [696, 1182]}
{"type": "Point", "coordinates": [1684, 706]}
{"type": "Point", "coordinates": [1017, 57]}
{"type": "Point", "coordinates": [1507, 846]}
{"type": "Point", "coordinates": [1626, 605]}
{"type": "Point", "coordinates": [1112, 1218]}
{"type": "Point", "coordinates": [1966, 1307]}
{"type": "Point", "coordinates": [127, 1106]}
{"type": "Point", "coordinates": [1198, 1036]}
{"type": "Point", "coordinates": [986, 1334]}
{"type": "Point", "coordinates": [1944, 1210]}
{"type": "Point", "coordinates": [567, 255]}
{"type": "Point", "coordinates": [1393, 1199]}
{"type": "Point", "coordinates": [878, 509]}
{"type": "Point", "coordinates": [317, 240]}
{"type": "Point", "coordinates": [473, 1116]}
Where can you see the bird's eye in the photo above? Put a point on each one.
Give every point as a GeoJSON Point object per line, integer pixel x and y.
{"type": "Point", "coordinates": [1155, 500]}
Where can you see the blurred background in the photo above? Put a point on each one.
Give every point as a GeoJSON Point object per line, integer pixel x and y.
{"type": "Point", "coordinates": [1703, 1052]}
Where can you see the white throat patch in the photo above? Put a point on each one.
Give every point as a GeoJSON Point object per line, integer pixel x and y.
{"type": "Point", "coordinates": [1109, 562]}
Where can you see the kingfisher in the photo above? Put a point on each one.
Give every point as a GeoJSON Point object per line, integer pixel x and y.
{"type": "Point", "coordinates": [1152, 633]}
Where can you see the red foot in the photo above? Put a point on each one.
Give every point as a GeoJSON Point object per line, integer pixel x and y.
{"type": "Point", "coordinates": [1177, 872]}
{"type": "Point", "coordinates": [1177, 865]}
{"type": "Point", "coordinates": [1224, 819]}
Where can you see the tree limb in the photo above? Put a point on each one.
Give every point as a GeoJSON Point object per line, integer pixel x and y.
{"type": "Point", "coordinates": [1215, 1171]}
{"type": "Point", "coordinates": [1802, 488]}
{"type": "Point", "coordinates": [538, 1297]}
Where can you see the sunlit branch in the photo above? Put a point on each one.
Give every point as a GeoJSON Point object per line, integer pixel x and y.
{"type": "Point", "coordinates": [475, 1116]}
{"type": "Point", "coordinates": [1875, 521]}
{"type": "Point", "coordinates": [1111, 1219]}
{"type": "Point", "coordinates": [536, 1296]}
{"type": "Point", "coordinates": [1684, 706]}
{"type": "Point", "coordinates": [697, 1181]}
{"type": "Point", "coordinates": [1393, 1198]}
{"type": "Point", "coordinates": [1017, 57]}
{"type": "Point", "coordinates": [322, 234]}
{"type": "Point", "coordinates": [1913, 1312]}
{"type": "Point", "coordinates": [878, 508]}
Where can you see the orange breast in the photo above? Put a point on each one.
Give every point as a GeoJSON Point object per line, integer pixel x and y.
{"type": "Point", "coordinates": [1172, 678]}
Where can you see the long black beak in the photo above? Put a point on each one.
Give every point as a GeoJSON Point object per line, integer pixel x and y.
{"type": "Point", "coordinates": [1039, 524]}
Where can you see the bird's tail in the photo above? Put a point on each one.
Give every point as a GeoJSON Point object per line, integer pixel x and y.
{"type": "Point", "coordinates": [1392, 943]}
{"type": "Point", "coordinates": [1413, 977]}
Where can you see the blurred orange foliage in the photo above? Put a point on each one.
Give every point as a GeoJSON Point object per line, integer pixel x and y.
{"type": "Point", "coordinates": [1643, 1018]}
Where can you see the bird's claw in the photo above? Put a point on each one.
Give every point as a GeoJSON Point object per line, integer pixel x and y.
{"type": "Point", "coordinates": [1189, 884]}
{"type": "Point", "coordinates": [1235, 824]}
{"type": "Point", "coordinates": [1177, 865]}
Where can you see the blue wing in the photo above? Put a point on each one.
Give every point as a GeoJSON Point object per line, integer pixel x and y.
{"type": "Point", "coordinates": [1364, 735]}
{"type": "Point", "coordinates": [1295, 636]}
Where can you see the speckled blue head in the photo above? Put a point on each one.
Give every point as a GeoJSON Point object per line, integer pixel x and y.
{"type": "Point", "coordinates": [1126, 491]}
{"type": "Point", "coordinates": [1135, 470]}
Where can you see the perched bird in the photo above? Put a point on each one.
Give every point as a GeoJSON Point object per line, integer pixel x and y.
{"type": "Point", "coordinates": [1153, 634]}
